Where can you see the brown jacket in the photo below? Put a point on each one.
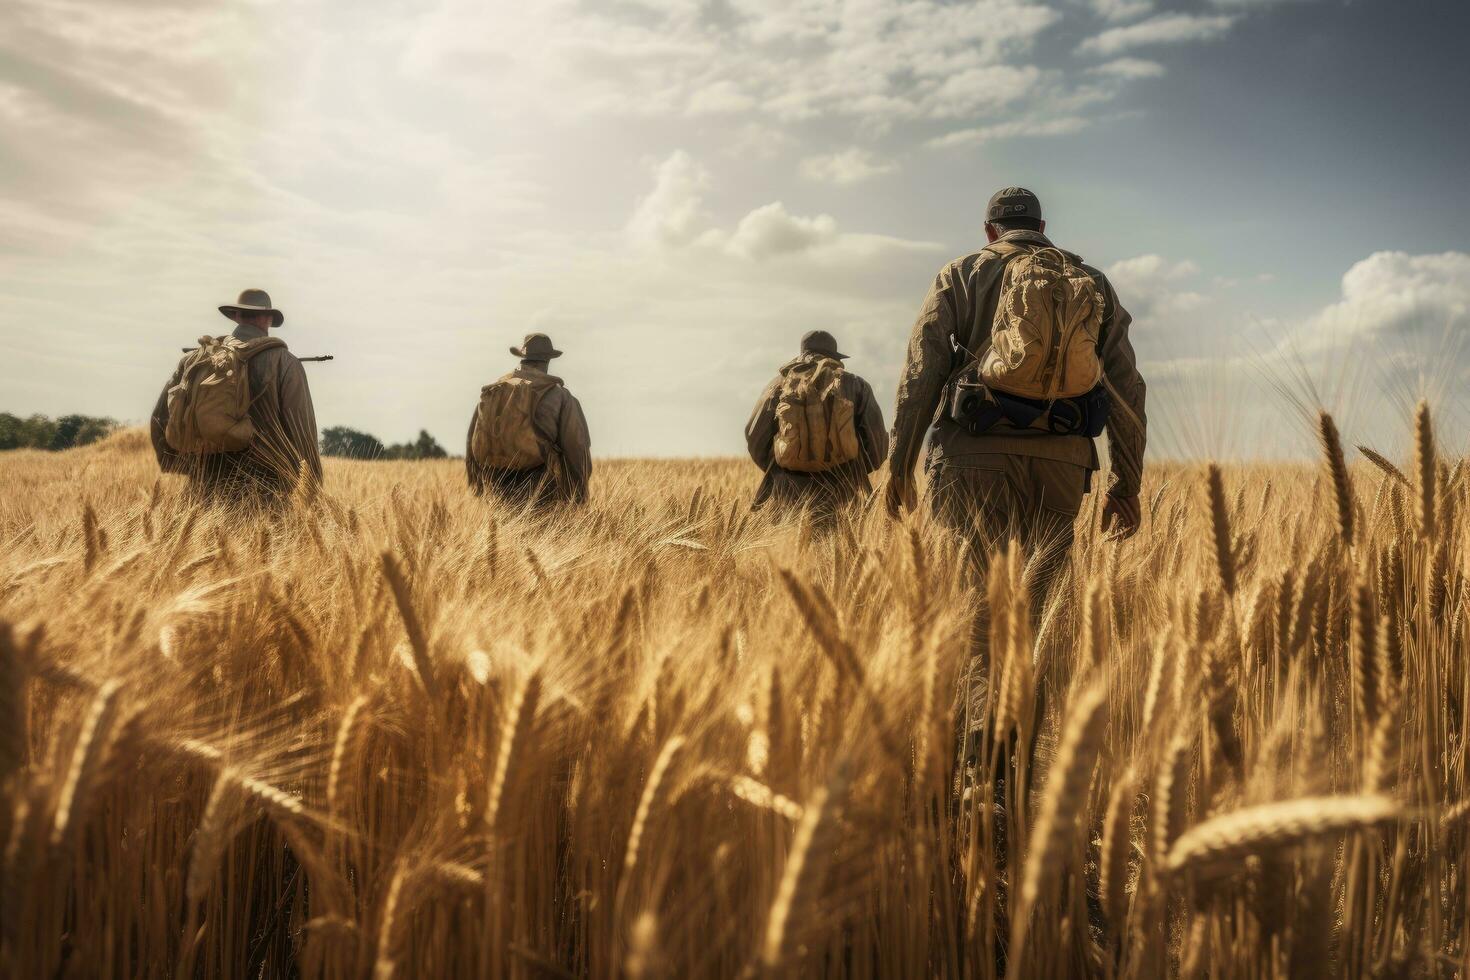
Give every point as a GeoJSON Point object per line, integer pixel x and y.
{"type": "Point", "coordinates": [846, 480]}
{"type": "Point", "coordinates": [956, 317]}
{"type": "Point", "coordinates": [560, 424]}
{"type": "Point", "coordinates": [285, 426]}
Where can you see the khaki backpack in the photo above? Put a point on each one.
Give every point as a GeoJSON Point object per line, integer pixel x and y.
{"type": "Point", "coordinates": [1043, 341]}
{"type": "Point", "coordinates": [505, 438]}
{"type": "Point", "coordinates": [209, 409]}
{"type": "Point", "coordinates": [815, 429]}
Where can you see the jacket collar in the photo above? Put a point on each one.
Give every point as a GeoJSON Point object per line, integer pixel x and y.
{"type": "Point", "coordinates": [533, 375]}
{"type": "Point", "coordinates": [807, 357]}
{"type": "Point", "coordinates": [247, 333]}
{"type": "Point", "coordinates": [1026, 236]}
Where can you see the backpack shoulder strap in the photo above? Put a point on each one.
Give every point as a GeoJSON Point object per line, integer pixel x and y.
{"type": "Point", "coordinates": [252, 347]}
{"type": "Point", "coordinates": [1004, 249]}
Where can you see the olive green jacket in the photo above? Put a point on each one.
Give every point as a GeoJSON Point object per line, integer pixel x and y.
{"type": "Point", "coordinates": [760, 436]}
{"type": "Point", "coordinates": [285, 427]}
{"type": "Point", "coordinates": [561, 426]}
{"type": "Point", "coordinates": [956, 319]}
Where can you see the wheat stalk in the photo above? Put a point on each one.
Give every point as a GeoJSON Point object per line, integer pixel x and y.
{"type": "Point", "coordinates": [14, 710]}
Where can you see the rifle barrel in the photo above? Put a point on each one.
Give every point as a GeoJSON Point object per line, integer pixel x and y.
{"type": "Point", "coordinates": [319, 357]}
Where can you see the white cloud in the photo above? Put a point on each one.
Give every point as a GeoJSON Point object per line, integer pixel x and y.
{"type": "Point", "coordinates": [1061, 126]}
{"type": "Point", "coordinates": [1122, 9]}
{"type": "Point", "coordinates": [1162, 29]}
{"type": "Point", "coordinates": [1395, 297]}
{"type": "Point", "coordinates": [672, 214]}
{"type": "Point", "coordinates": [672, 217]}
{"type": "Point", "coordinates": [845, 168]}
{"type": "Point", "coordinates": [880, 61]}
{"type": "Point", "coordinates": [1153, 289]}
{"type": "Point", "coordinates": [770, 231]}
{"type": "Point", "coordinates": [1130, 68]}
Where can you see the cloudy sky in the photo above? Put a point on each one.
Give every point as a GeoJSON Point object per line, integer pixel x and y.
{"type": "Point", "coordinates": [675, 191]}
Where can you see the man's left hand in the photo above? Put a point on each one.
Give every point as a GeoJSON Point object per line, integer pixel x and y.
{"type": "Point", "coordinates": [1121, 517]}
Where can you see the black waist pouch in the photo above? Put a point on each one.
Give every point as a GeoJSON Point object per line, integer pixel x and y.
{"type": "Point", "coordinates": [974, 407]}
{"type": "Point", "coordinates": [979, 408]}
{"type": "Point", "coordinates": [1086, 415]}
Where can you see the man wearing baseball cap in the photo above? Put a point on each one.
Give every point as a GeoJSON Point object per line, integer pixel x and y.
{"type": "Point", "coordinates": [1016, 466]}
{"type": "Point", "coordinates": [817, 432]}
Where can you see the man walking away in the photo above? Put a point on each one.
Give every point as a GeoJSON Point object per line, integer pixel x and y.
{"type": "Point", "coordinates": [528, 439]}
{"type": "Point", "coordinates": [1019, 358]}
{"type": "Point", "coordinates": [817, 431]}
{"type": "Point", "coordinates": [236, 416]}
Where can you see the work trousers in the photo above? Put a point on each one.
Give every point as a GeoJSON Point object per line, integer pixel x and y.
{"type": "Point", "coordinates": [990, 498]}
{"type": "Point", "coordinates": [536, 486]}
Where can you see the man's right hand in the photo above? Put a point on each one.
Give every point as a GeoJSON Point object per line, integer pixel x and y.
{"type": "Point", "coordinates": [900, 495]}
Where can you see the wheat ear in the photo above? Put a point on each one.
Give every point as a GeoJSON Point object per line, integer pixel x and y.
{"type": "Point", "coordinates": [1061, 804]}
{"type": "Point", "coordinates": [1113, 857]}
{"type": "Point", "coordinates": [93, 744]}
{"type": "Point", "coordinates": [1342, 488]}
{"type": "Point", "coordinates": [344, 743]}
{"type": "Point", "coordinates": [226, 800]}
{"type": "Point", "coordinates": [1170, 798]}
{"type": "Point", "coordinates": [417, 641]}
{"type": "Point", "coordinates": [515, 731]}
{"type": "Point", "coordinates": [805, 865]}
{"type": "Point", "coordinates": [1220, 530]}
{"type": "Point", "coordinates": [1424, 471]}
{"type": "Point", "coordinates": [1361, 652]}
{"type": "Point", "coordinates": [1380, 461]}
{"type": "Point", "coordinates": [1221, 844]}
{"type": "Point", "coordinates": [653, 792]}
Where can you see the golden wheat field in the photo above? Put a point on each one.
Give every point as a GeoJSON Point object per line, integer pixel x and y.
{"type": "Point", "coordinates": [398, 732]}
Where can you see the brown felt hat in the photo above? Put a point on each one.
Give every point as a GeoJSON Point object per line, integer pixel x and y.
{"type": "Point", "coordinates": [254, 301]}
{"type": "Point", "coordinates": [536, 347]}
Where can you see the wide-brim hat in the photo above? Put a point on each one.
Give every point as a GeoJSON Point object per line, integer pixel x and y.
{"type": "Point", "coordinates": [254, 301]}
{"type": "Point", "coordinates": [536, 347]}
{"type": "Point", "coordinates": [821, 342]}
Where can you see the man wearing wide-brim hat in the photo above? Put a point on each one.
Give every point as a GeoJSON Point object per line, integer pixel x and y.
{"type": "Point", "coordinates": [804, 466]}
{"type": "Point", "coordinates": [528, 440]}
{"type": "Point", "coordinates": [284, 444]}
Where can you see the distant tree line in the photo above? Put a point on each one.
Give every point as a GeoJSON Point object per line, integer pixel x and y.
{"type": "Point", "coordinates": [339, 440]}
{"type": "Point", "coordinates": [40, 432]}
